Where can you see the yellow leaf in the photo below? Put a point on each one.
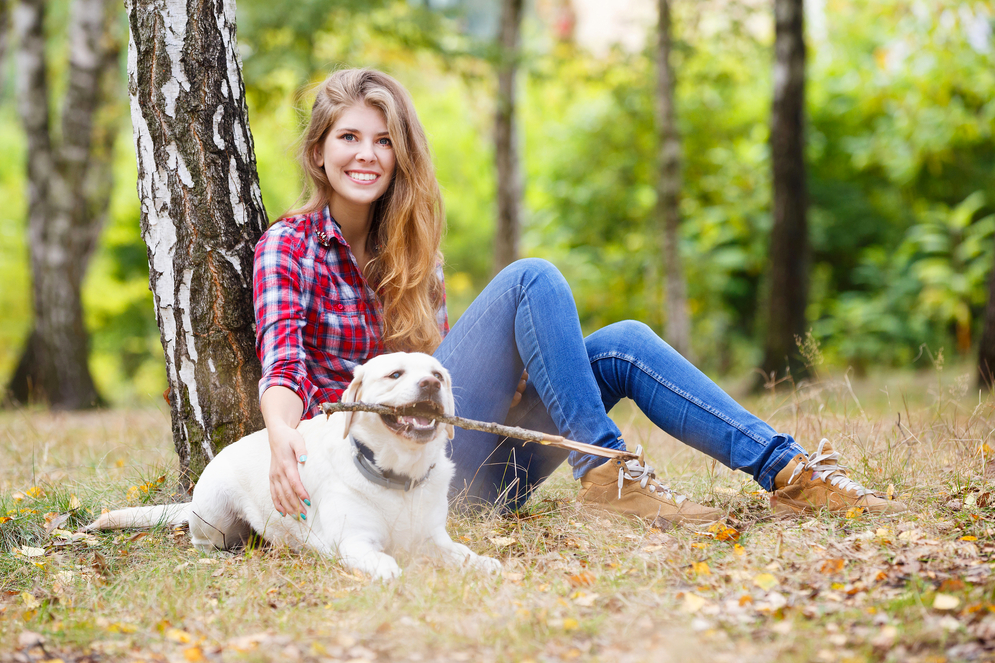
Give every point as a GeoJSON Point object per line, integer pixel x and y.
{"type": "Point", "coordinates": [36, 492]}
{"type": "Point", "coordinates": [28, 551]}
{"type": "Point", "coordinates": [132, 494]}
{"type": "Point", "coordinates": [968, 538]}
{"type": "Point", "coordinates": [194, 654]}
{"type": "Point", "coordinates": [569, 624]}
{"type": "Point", "coordinates": [985, 450]}
{"type": "Point", "coordinates": [765, 581]}
{"type": "Point", "coordinates": [693, 602]}
{"type": "Point", "coordinates": [176, 635]}
{"type": "Point", "coordinates": [502, 541]}
{"type": "Point", "coordinates": [120, 462]}
{"type": "Point", "coordinates": [30, 601]}
{"type": "Point", "coordinates": [890, 493]}
{"type": "Point", "coordinates": [854, 512]}
{"type": "Point", "coordinates": [17, 497]}
{"type": "Point", "coordinates": [701, 569]}
{"type": "Point", "coordinates": [4, 519]}
{"type": "Point", "coordinates": [74, 503]}
{"type": "Point", "coordinates": [832, 566]}
{"type": "Point", "coordinates": [582, 579]}
{"type": "Point", "coordinates": [738, 549]}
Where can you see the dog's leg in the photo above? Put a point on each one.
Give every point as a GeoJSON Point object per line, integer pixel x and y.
{"type": "Point", "coordinates": [363, 554]}
{"type": "Point", "coordinates": [215, 523]}
{"type": "Point", "coordinates": [457, 553]}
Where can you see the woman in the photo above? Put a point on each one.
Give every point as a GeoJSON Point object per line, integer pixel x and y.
{"type": "Point", "coordinates": [357, 272]}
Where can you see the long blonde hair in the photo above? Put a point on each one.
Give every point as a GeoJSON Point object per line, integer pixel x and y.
{"type": "Point", "coordinates": [408, 219]}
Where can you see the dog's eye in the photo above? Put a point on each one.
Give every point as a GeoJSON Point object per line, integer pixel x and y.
{"type": "Point", "coordinates": [438, 376]}
{"type": "Point", "coordinates": [396, 375]}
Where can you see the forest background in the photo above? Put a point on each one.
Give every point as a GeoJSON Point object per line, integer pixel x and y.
{"type": "Point", "coordinates": [900, 152]}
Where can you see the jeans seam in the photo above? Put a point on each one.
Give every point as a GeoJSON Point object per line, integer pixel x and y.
{"type": "Point", "coordinates": [771, 472]}
{"type": "Point", "coordinates": [683, 394]}
{"type": "Point", "coordinates": [494, 301]}
{"type": "Point", "coordinates": [541, 359]}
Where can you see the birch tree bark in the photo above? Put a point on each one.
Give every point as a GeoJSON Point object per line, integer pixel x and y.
{"type": "Point", "coordinates": [788, 273]}
{"type": "Point", "coordinates": [202, 213]}
{"type": "Point", "coordinates": [68, 195]}
{"type": "Point", "coordinates": [509, 177]}
{"type": "Point", "coordinates": [668, 191]}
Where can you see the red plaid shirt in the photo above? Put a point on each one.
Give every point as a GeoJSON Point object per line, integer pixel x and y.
{"type": "Point", "coordinates": [316, 316]}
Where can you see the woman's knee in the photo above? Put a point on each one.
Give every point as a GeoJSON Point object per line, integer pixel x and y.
{"type": "Point", "coordinates": [621, 337]}
{"type": "Point", "coordinates": [535, 271]}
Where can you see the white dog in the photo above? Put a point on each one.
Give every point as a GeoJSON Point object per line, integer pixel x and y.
{"type": "Point", "coordinates": [378, 484]}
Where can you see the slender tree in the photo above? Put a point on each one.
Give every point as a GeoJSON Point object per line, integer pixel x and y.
{"type": "Point", "coordinates": [202, 214]}
{"type": "Point", "coordinates": [788, 273]}
{"type": "Point", "coordinates": [4, 38]}
{"type": "Point", "coordinates": [986, 348]}
{"type": "Point", "coordinates": [668, 190]}
{"type": "Point", "coordinates": [69, 183]}
{"type": "Point", "coordinates": [509, 178]}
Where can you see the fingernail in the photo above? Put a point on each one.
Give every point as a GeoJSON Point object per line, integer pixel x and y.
{"type": "Point", "coordinates": [282, 514]}
{"type": "Point", "coordinates": [308, 502]}
{"type": "Point", "coordinates": [302, 459]}
{"type": "Point", "coordinates": [303, 516]}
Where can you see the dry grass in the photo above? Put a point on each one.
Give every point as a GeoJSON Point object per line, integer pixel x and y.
{"type": "Point", "coordinates": [578, 584]}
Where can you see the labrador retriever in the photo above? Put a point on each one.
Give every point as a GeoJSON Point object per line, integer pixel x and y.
{"type": "Point", "coordinates": [378, 484]}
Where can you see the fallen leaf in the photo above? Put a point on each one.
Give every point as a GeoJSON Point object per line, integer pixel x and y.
{"type": "Point", "coordinates": [53, 521]}
{"type": "Point", "coordinates": [693, 603]}
{"type": "Point", "coordinates": [945, 602]}
{"type": "Point", "coordinates": [765, 581]}
{"type": "Point", "coordinates": [584, 599]}
{"type": "Point", "coordinates": [890, 493]}
{"type": "Point", "coordinates": [701, 569]}
{"type": "Point", "coordinates": [74, 503]}
{"type": "Point", "coordinates": [177, 635]}
{"type": "Point", "coordinates": [885, 639]}
{"type": "Point", "coordinates": [17, 497]}
{"type": "Point", "coordinates": [738, 549]}
{"type": "Point", "coordinates": [582, 579]}
{"type": "Point", "coordinates": [968, 538]}
{"type": "Point", "coordinates": [28, 551]}
{"type": "Point", "coordinates": [569, 624]}
{"type": "Point", "coordinates": [832, 566]}
{"type": "Point", "coordinates": [854, 512]}
{"type": "Point", "coordinates": [194, 654]}
{"type": "Point", "coordinates": [502, 541]}
{"type": "Point", "coordinates": [35, 492]}
{"type": "Point", "coordinates": [30, 602]}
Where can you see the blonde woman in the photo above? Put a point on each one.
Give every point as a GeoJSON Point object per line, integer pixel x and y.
{"type": "Point", "coordinates": [356, 272]}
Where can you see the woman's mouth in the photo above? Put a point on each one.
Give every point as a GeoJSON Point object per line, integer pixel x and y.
{"type": "Point", "coordinates": [362, 178]}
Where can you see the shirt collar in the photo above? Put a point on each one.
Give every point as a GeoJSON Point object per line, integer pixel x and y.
{"type": "Point", "coordinates": [326, 229]}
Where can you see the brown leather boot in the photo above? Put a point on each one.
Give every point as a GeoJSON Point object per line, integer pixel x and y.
{"type": "Point", "coordinates": [818, 482]}
{"type": "Point", "coordinates": [631, 487]}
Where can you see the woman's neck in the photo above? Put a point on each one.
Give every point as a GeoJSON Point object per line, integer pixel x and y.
{"type": "Point", "coordinates": [354, 222]}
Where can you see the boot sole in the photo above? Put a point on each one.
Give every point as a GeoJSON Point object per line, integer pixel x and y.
{"type": "Point", "coordinates": [787, 508]}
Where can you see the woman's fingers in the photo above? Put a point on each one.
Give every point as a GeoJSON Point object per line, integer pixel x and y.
{"type": "Point", "coordinates": [516, 399]}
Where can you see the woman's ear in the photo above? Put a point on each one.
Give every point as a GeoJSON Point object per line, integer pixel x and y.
{"type": "Point", "coordinates": [318, 156]}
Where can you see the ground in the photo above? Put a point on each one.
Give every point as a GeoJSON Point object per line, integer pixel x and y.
{"type": "Point", "coordinates": [577, 584]}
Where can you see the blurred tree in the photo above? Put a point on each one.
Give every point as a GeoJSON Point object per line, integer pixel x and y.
{"type": "Point", "coordinates": [69, 177]}
{"type": "Point", "coordinates": [202, 214]}
{"type": "Point", "coordinates": [4, 39]}
{"type": "Point", "coordinates": [509, 176]}
{"type": "Point", "coordinates": [668, 190]}
{"type": "Point", "coordinates": [788, 257]}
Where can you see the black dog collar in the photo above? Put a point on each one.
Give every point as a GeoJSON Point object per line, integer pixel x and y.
{"type": "Point", "coordinates": [366, 465]}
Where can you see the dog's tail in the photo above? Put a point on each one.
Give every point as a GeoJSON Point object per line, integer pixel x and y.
{"type": "Point", "coordinates": [142, 517]}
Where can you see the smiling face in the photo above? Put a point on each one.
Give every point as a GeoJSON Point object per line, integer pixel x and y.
{"type": "Point", "coordinates": [358, 159]}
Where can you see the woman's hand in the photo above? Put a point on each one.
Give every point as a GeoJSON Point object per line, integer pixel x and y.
{"type": "Point", "coordinates": [282, 411]}
{"type": "Point", "coordinates": [517, 398]}
{"type": "Point", "coordinates": [288, 450]}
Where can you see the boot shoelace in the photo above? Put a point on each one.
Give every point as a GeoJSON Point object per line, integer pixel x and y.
{"type": "Point", "coordinates": [826, 466]}
{"type": "Point", "coordinates": [634, 470]}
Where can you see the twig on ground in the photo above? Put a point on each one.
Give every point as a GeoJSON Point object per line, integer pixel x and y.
{"type": "Point", "coordinates": [470, 424]}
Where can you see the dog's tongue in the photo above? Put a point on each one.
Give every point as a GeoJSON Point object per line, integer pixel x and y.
{"type": "Point", "coordinates": [416, 421]}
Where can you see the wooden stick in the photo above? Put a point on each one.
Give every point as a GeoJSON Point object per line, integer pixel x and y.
{"type": "Point", "coordinates": [470, 424]}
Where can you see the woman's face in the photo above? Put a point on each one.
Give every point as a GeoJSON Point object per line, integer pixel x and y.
{"type": "Point", "coordinates": [357, 156]}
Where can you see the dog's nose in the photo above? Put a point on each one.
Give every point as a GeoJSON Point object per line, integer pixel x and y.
{"type": "Point", "coordinates": [430, 384]}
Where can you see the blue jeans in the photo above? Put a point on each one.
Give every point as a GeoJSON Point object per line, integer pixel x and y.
{"type": "Point", "coordinates": [526, 318]}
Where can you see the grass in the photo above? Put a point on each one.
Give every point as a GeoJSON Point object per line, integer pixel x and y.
{"type": "Point", "coordinates": [577, 584]}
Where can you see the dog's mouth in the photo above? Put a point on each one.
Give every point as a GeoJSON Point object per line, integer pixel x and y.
{"type": "Point", "coordinates": [416, 421]}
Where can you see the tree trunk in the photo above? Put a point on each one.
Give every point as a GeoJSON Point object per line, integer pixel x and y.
{"type": "Point", "coordinates": [509, 178]}
{"type": "Point", "coordinates": [986, 348]}
{"type": "Point", "coordinates": [4, 40]}
{"type": "Point", "coordinates": [788, 274]}
{"type": "Point", "coordinates": [202, 213]}
{"type": "Point", "coordinates": [67, 205]}
{"type": "Point", "coordinates": [668, 189]}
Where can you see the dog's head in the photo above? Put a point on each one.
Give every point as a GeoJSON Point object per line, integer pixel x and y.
{"type": "Point", "coordinates": [403, 379]}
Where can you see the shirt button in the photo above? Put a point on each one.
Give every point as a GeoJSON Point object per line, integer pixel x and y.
{"type": "Point", "coordinates": [339, 307]}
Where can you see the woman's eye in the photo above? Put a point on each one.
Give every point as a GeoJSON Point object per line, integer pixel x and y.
{"type": "Point", "coordinates": [384, 142]}
{"type": "Point", "coordinates": [348, 137]}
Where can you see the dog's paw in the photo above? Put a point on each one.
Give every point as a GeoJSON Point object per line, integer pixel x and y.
{"type": "Point", "coordinates": [386, 570]}
{"type": "Point", "coordinates": [488, 564]}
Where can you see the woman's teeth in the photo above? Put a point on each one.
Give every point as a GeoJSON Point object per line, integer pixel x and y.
{"type": "Point", "coordinates": [363, 177]}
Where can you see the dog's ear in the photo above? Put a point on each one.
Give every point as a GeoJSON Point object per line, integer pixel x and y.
{"type": "Point", "coordinates": [352, 395]}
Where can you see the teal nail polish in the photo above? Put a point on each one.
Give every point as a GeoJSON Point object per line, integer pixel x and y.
{"type": "Point", "coordinates": [302, 459]}
{"type": "Point", "coordinates": [282, 514]}
{"type": "Point", "coordinates": [308, 502]}
{"type": "Point", "coordinates": [303, 516]}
